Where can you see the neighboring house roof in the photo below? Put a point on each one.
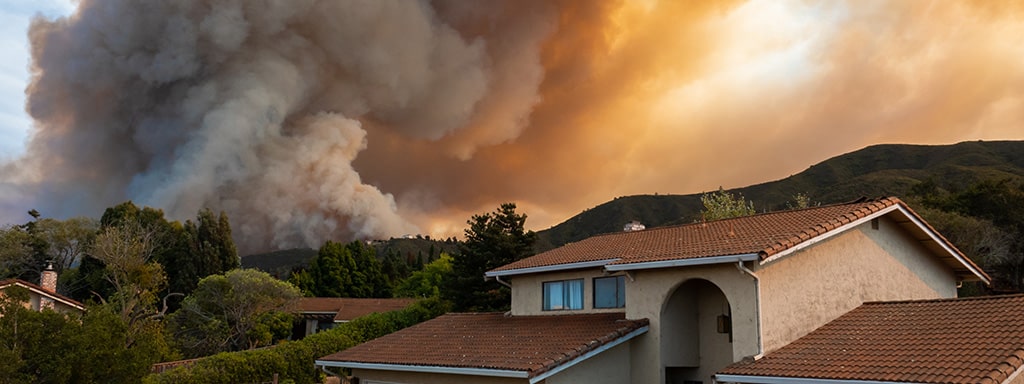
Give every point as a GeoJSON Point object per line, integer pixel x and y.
{"type": "Point", "coordinates": [759, 237]}
{"type": "Point", "coordinates": [971, 340]}
{"type": "Point", "coordinates": [492, 344]}
{"type": "Point", "coordinates": [43, 292]}
{"type": "Point", "coordinates": [346, 308]}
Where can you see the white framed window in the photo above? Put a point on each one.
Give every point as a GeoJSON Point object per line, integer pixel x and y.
{"type": "Point", "coordinates": [610, 292]}
{"type": "Point", "coordinates": [563, 295]}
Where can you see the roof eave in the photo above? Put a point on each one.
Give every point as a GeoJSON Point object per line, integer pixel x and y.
{"type": "Point", "coordinates": [746, 379]}
{"type": "Point", "coordinates": [561, 367]}
{"type": "Point", "coordinates": [918, 222]}
{"type": "Point", "coordinates": [550, 268]}
{"type": "Point", "coordinates": [684, 262]}
{"type": "Point", "coordinates": [426, 369]}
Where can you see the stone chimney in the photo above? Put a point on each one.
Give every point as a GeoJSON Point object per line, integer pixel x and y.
{"type": "Point", "coordinates": [48, 281]}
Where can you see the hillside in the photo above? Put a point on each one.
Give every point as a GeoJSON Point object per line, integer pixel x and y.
{"type": "Point", "coordinates": [281, 263]}
{"type": "Point", "coordinates": [880, 170]}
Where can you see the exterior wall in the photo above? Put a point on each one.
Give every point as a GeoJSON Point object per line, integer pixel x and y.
{"type": "Point", "coordinates": [397, 377]}
{"type": "Point", "coordinates": [650, 290]}
{"type": "Point", "coordinates": [528, 292]}
{"type": "Point", "coordinates": [610, 367]}
{"type": "Point", "coordinates": [811, 287]}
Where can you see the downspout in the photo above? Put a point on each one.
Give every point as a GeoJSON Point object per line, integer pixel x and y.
{"type": "Point", "coordinates": [498, 278]}
{"type": "Point", "coordinates": [324, 368]}
{"type": "Point", "coordinates": [757, 304]}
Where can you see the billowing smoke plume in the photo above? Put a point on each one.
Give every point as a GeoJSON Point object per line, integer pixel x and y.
{"type": "Point", "coordinates": [307, 120]}
{"type": "Point", "coordinates": [259, 108]}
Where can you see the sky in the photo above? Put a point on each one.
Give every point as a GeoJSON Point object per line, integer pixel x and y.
{"type": "Point", "coordinates": [313, 120]}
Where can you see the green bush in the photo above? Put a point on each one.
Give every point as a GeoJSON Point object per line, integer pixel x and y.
{"type": "Point", "coordinates": [294, 361]}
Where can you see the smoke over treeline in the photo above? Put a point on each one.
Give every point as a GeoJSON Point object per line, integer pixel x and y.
{"type": "Point", "coordinates": [309, 120]}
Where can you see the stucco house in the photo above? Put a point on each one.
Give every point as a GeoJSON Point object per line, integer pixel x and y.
{"type": "Point", "coordinates": [680, 304]}
{"type": "Point", "coordinates": [44, 295]}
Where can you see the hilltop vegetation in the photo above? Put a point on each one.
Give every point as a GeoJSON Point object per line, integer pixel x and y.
{"type": "Point", "coordinates": [880, 170]}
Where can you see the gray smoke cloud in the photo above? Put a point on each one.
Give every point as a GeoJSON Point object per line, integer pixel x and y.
{"type": "Point", "coordinates": [259, 108]}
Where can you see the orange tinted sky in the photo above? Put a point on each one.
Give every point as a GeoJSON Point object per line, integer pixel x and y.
{"type": "Point", "coordinates": [670, 97]}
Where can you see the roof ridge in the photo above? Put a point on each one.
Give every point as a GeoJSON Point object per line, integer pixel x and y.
{"type": "Point", "coordinates": [948, 299]}
{"type": "Point", "coordinates": [859, 201]}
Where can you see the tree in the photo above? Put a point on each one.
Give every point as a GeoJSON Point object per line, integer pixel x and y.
{"type": "Point", "coordinates": [344, 270]}
{"type": "Point", "coordinates": [126, 252]}
{"type": "Point", "coordinates": [426, 282]}
{"type": "Point", "coordinates": [800, 201]}
{"type": "Point", "coordinates": [14, 252]}
{"type": "Point", "coordinates": [492, 240]}
{"type": "Point", "coordinates": [51, 347]}
{"type": "Point", "coordinates": [242, 309]}
{"type": "Point", "coordinates": [724, 205]}
{"type": "Point", "coordinates": [210, 250]}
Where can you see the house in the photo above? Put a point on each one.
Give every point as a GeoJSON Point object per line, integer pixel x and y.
{"type": "Point", "coordinates": [969, 340]}
{"type": "Point", "coordinates": [45, 295]}
{"type": "Point", "coordinates": [676, 304]}
{"type": "Point", "coordinates": [319, 313]}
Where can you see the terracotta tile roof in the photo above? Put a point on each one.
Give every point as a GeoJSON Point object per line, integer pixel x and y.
{"type": "Point", "coordinates": [533, 344]}
{"type": "Point", "coordinates": [42, 291]}
{"type": "Point", "coordinates": [763, 234]}
{"type": "Point", "coordinates": [346, 308]}
{"type": "Point", "coordinates": [972, 340]}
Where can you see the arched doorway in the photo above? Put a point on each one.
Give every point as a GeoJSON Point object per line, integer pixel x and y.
{"type": "Point", "coordinates": [696, 333]}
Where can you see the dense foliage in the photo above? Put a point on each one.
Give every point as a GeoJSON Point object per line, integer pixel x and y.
{"type": "Point", "coordinates": [492, 240]}
{"type": "Point", "coordinates": [343, 270]}
{"type": "Point", "coordinates": [723, 205]}
{"type": "Point", "coordinates": [97, 347]}
{"type": "Point", "coordinates": [294, 360]}
{"type": "Point", "coordinates": [241, 309]}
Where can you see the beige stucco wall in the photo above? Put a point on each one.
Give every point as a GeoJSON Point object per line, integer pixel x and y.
{"type": "Point", "coordinates": [397, 377]}
{"type": "Point", "coordinates": [650, 289]}
{"type": "Point", "coordinates": [528, 292]}
{"type": "Point", "coordinates": [804, 290]}
{"type": "Point", "coordinates": [608, 367]}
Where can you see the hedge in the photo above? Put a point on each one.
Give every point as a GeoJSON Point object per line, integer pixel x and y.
{"type": "Point", "coordinates": [294, 361]}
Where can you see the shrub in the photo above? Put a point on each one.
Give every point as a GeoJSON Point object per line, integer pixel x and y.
{"type": "Point", "coordinates": [294, 361]}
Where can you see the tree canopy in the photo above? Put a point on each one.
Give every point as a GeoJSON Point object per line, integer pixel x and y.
{"type": "Point", "coordinates": [723, 205]}
{"type": "Point", "coordinates": [241, 309]}
{"type": "Point", "coordinates": [344, 270]}
{"type": "Point", "coordinates": [492, 240]}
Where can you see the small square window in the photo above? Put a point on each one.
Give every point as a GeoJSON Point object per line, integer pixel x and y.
{"type": "Point", "coordinates": [563, 295]}
{"type": "Point", "coordinates": [610, 292]}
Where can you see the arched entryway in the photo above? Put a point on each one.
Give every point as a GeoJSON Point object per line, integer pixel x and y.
{"type": "Point", "coordinates": [696, 333]}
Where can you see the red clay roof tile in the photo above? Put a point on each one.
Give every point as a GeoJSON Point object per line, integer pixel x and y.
{"type": "Point", "coordinates": [534, 344]}
{"type": "Point", "coordinates": [763, 234]}
{"type": "Point", "coordinates": [971, 340]}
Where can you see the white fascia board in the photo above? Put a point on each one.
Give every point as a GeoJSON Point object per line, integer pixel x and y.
{"type": "Point", "coordinates": [789, 380]}
{"type": "Point", "coordinates": [684, 262]}
{"type": "Point", "coordinates": [829, 234]}
{"type": "Point", "coordinates": [550, 268]}
{"type": "Point", "coordinates": [853, 224]}
{"type": "Point", "coordinates": [426, 369]}
{"type": "Point", "coordinates": [952, 252]}
{"type": "Point", "coordinates": [50, 296]}
{"type": "Point", "coordinates": [595, 352]}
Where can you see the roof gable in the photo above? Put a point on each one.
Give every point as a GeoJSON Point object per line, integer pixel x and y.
{"type": "Point", "coordinates": [42, 292]}
{"type": "Point", "coordinates": [971, 340]}
{"type": "Point", "coordinates": [757, 237]}
{"type": "Point", "coordinates": [491, 344]}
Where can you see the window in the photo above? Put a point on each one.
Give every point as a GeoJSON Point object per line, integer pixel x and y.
{"type": "Point", "coordinates": [563, 295]}
{"type": "Point", "coordinates": [610, 292]}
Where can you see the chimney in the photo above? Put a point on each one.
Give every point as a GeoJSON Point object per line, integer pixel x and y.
{"type": "Point", "coordinates": [48, 280]}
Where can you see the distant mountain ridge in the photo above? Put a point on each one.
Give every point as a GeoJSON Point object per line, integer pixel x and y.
{"type": "Point", "coordinates": [878, 170]}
